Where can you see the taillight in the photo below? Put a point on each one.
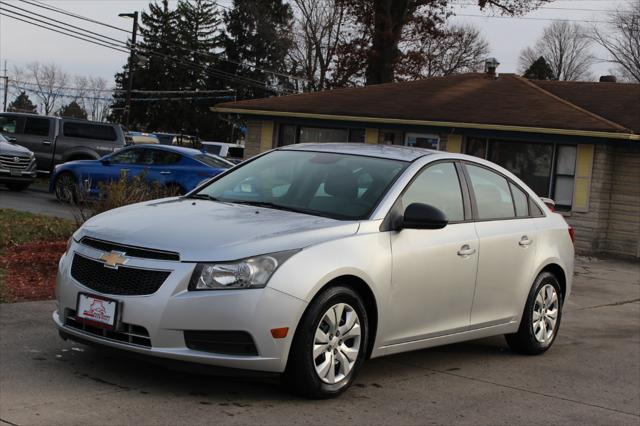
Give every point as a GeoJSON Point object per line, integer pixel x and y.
{"type": "Point", "coordinates": [572, 234]}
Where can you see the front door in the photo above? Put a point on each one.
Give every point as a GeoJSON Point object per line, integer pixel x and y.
{"type": "Point", "coordinates": [434, 271]}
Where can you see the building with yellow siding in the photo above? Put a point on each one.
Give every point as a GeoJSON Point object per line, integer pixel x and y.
{"type": "Point", "coordinates": [575, 142]}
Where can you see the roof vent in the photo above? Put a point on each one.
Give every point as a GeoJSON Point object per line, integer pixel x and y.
{"type": "Point", "coordinates": [608, 79]}
{"type": "Point", "coordinates": [490, 66]}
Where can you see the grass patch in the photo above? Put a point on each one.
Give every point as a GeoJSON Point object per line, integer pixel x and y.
{"type": "Point", "coordinates": [20, 227]}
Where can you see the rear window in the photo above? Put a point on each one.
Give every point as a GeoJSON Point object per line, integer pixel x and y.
{"type": "Point", "coordinates": [212, 149]}
{"type": "Point", "coordinates": [37, 126]}
{"type": "Point", "coordinates": [90, 131]}
{"type": "Point", "coordinates": [212, 161]}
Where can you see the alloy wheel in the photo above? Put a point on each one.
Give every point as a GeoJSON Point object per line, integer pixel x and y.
{"type": "Point", "coordinates": [545, 314]}
{"type": "Point", "coordinates": [336, 343]}
{"type": "Point", "coordinates": [64, 188]}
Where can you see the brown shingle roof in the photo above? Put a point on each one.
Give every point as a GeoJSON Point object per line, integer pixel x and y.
{"type": "Point", "coordinates": [466, 98]}
{"type": "Point", "coordinates": [618, 102]}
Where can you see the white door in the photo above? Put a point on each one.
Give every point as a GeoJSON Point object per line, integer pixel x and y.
{"type": "Point", "coordinates": [434, 271]}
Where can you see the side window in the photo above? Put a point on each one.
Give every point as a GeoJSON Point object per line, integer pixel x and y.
{"type": "Point", "coordinates": [492, 194]}
{"type": "Point", "coordinates": [439, 186]}
{"type": "Point", "coordinates": [128, 156]}
{"type": "Point", "coordinates": [520, 201]}
{"type": "Point", "coordinates": [161, 158]}
{"type": "Point", "coordinates": [89, 131]}
{"type": "Point", "coordinates": [8, 124]}
{"type": "Point", "coordinates": [37, 126]}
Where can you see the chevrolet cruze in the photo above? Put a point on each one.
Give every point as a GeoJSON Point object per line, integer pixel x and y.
{"type": "Point", "coordinates": [309, 259]}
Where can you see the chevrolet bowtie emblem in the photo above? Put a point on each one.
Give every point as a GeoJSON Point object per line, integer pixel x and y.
{"type": "Point", "coordinates": [114, 259]}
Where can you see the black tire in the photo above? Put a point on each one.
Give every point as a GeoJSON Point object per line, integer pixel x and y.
{"type": "Point", "coordinates": [15, 186]}
{"type": "Point", "coordinates": [66, 188]}
{"type": "Point", "coordinates": [525, 340]}
{"type": "Point", "coordinates": [300, 375]}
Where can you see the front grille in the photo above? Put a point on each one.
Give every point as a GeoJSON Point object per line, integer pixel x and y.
{"type": "Point", "coordinates": [126, 333]}
{"type": "Point", "coordinates": [125, 280]}
{"type": "Point", "coordinates": [221, 342]}
{"type": "Point", "coordinates": [132, 251]}
{"type": "Point", "coordinates": [9, 162]}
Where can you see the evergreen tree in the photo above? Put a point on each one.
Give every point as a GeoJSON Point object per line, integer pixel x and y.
{"type": "Point", "coordinates": [539, 70]}
{"type": "Point", "coordinates": [22, 103]}
{"type": "Point", "coordinates": [257, 34]}
{"type": "Point", "coordinates": [72, 110]}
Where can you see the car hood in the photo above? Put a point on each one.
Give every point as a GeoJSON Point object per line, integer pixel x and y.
{"type": "Point", "coordinates": [7, 148]}
{"type": "Point", "coordinates": [202, 230]}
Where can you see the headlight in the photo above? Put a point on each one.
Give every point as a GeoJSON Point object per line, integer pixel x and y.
{"type": "Point", "coordinates": [253, 272]}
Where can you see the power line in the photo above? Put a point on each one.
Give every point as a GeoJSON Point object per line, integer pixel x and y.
{"type": "Point", "coordinates": [209, 54]}
{"type": "Point", "coordinates": [214, 72]}
{"type": "Point", "coordinates": [2, 12]}
{"type": "Point", "coordinates": [532, 18]}
{"type": "Point", "coordinates": [113, 90]}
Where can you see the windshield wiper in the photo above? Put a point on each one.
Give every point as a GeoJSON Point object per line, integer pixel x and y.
{"type": "Point", "coordinates": [271, 205]}
{"type": "Point", "coordinates": [203, 197]}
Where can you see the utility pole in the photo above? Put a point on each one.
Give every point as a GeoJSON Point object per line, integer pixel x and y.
{"type": "Point", "coordinates": [6, 86]}
{"type": "Point", "coordinates": [132, 61]}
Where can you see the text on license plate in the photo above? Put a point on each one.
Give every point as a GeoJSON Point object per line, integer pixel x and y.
{"type": "Point", "coordinates": [97, 309]}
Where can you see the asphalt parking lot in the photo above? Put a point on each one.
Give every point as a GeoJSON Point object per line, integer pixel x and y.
{"type": "Point", "coordinates": [590, 376]}
{"type": "Point", "coordinates": [35, 201]}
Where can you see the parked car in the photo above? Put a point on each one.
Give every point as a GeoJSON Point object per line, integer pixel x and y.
{"type": "Point", "coordinates": [179, 140]}
{"type": "Point", "coordinates": [56, 140]}
{"type": "Point", "coordinates": [139, 138]}
{"type": "Point", "coordinates": [17, 165]}
{"type": "Point", "coordinates": [311, 258]}
{"type": "Point", "coordinates": [229, 151]}
{"type": "Point", "coordinates": [182, 168]}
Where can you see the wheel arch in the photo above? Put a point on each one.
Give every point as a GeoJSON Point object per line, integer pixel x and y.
{"type": "Point", "coordinates": [369, 300]}
{"type": "Point", "coordinates": [80, 154]}
{"type": "Point", "coordinates": [559, 273]}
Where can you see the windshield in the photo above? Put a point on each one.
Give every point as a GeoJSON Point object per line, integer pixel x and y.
{"type": "Point", "coordinates": [339, 186]}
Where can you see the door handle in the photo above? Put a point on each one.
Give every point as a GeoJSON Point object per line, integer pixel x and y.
{"type": "Point", "coordinates": [465, 250]}
{"type": "Point", "coordinates": [165, 173]}
{"type": "Point", "coordinates": [525, 241]}
{"type": "Point", "coordinates": [46, 142]}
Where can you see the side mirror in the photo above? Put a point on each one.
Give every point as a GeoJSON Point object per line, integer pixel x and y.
{"type": "Point", "coordinates": [423, 216]}
{"type": "Point", "coordinates": [105, 161]}
{"type": "Point", "coordinates": [11, 139]}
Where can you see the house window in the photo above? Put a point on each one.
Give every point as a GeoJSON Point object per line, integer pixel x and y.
{"type": "Point", "coordinates": [564, 175]}
{"type": "Point", "coordinates": [387, 137]}
{"type": "Point", "coordinates": [422, 140]}
{"type": "Point", "coordinates": [531, 162]}
{"type": "Point", "coordinates": [356, 135]}
{"type": "Point", "coordinates": [323, 134]}
{"type": "Point", "coordinates": [534, 163]}
{"type": "Point", "coordinates": [287, 134]}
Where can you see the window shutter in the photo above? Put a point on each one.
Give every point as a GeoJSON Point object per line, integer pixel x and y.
{"type": "Point", "coordinates": [371, 136]}
{"type": "Point", "coordinates": [266, 136]}
{"type": "Point", "coordinates": [454, 143]}
{"type": "Point", "coordinates": [582, 183]}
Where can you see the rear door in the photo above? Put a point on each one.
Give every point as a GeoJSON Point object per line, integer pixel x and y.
{"type": "Point", "coordinates": [434, 270]}
{"type": "Point", "coordinates": [38, 136]}
{"type": "Point", "coordinates": [507, 236]}
{"type": "Point", "coordinates": [162, 166]}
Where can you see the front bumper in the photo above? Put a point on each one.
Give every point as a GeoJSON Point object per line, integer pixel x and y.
{"type": "Point", "coordinates": [171, 310]}
{"type": "Point", "coordinates": [24, 176]}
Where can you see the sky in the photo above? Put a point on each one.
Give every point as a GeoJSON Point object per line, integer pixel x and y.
{"type": "Point", "coordinates": [21, 43]}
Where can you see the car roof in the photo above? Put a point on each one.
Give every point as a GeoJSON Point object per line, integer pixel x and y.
{"type": "Point", "coordinates": [190, 152]}
{"type": "Point", "coordinates": [392, 152]}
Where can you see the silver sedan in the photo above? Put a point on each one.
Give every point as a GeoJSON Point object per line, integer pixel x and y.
{"type": "Point", "coordinates": [309, 259]}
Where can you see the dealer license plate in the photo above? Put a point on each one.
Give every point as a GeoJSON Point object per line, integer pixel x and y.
{"type": "Point", "coordinates": [15, 172]}
{"type": "Point", "coordinates": [98, 311]}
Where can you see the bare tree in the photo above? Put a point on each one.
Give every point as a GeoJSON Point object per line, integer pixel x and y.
{"type": "Point", "coordinates": [318, 29]}
{"type": "Point", "coordinates": [49, 83]}
{"type": "Point", "coordinates": [567, 49]}
{"type": "Point", "coordinates": [458, 49]}
{"type": "Point", "coordinates": [622, 40]}
{"type": "Point", "coordinates": [97, 103]}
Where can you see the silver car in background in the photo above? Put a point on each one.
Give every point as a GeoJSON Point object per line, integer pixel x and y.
{"type": "Point", "coordinates": [311, 258]}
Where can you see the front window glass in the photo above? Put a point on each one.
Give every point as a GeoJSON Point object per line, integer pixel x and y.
{"type": "Point", "coordinates": [439, 186]}
{"type": "Point", "coordinates": [127, 156]}
{"type": "Point", "coordinates": [492, 193]}
{"type": "Point", "coordinates": [339, 186]}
